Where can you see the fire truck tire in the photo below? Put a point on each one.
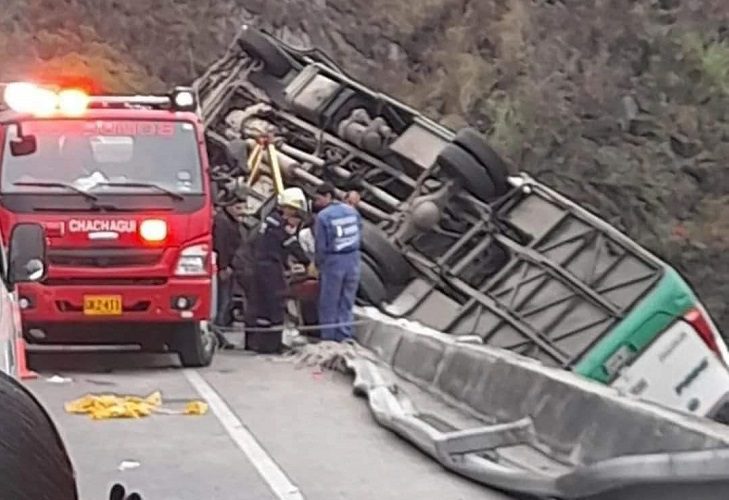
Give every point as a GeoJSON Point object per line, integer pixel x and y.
{"type": "Point", "coordinates": [387, 260]}
{"type": "Point", "coordinates": [473, 142]}
{"type": "Point", "coordinates": [257, 45]}
{"type": "Point", "coordinates": [195, 345]}
{"type": "Point", "coordinates": [457, 163]}
{"type": "Point", "coordinates": [371, 288]}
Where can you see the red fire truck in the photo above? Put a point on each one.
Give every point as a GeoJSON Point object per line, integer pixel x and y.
{"type": "Point", "coordinates": [120, 185]}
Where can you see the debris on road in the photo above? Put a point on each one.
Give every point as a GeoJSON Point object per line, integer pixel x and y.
{"type": "Point", "coordinates": [57, 379]}
{"type": "Point", "coordinates": [331, 356]}
{"type": "Point", "coordinates": [196, 408]}
{"type": "Point", "coordinates": [108, 406]}
{"type": "Point", "coordinates": [128, 464]}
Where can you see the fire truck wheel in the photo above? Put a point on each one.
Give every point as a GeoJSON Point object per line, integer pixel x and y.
{"type": "Point", "coordinates": [260, 47]}
{"type": "Point", "coordinates": [387, 260]}
{"type": "Point", "coordinates": [371, 289]}
{"type": "Point", "coordinates": [195, 345]}
{"type": "Point", "coordinates": [473, 142]}
{"type": "Point", "coordinates": [457, 163]}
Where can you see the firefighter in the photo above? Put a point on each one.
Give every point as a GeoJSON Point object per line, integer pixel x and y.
{"type": "Point", "coordinates": [337, 234]}
{"type": "Point", "coordinates": [274, 244]}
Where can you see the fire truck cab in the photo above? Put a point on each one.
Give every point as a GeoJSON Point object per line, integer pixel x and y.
{"type": "Point", "coordinates": [119, 183]}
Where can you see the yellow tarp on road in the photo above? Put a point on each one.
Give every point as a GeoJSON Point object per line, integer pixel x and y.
{"type": "Point", "coordinates": [107, 406]}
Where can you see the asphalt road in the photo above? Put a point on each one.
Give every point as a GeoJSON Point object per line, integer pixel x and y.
{"type": "Point", "coordinates": [273, 431]}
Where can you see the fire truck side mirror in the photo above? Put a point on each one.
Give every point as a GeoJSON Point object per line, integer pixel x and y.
{"type": "Point", "coordinates": [22, 144]}
{"type": "Point", "coordinates": [27, 253]}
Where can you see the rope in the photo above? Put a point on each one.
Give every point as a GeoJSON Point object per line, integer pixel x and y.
{"type": "Point", "coordinates": [280, 328]}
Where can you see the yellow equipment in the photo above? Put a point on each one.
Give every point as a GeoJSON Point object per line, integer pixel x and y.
{"type": "Point", "coordinates": [264, 144]}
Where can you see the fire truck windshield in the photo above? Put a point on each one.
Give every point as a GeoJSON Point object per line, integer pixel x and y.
{"type": "Point", "coordinates": [104, 157]}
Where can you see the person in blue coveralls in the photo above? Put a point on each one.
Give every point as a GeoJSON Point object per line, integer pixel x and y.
{"type": "Point", "coordinates": [337, 234]}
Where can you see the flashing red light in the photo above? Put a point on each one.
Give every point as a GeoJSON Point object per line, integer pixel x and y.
{"type": "Point", "coordinates": [73, 102]}
{"type": "Point", "coordinates": [26, 97]}
{"type": "Point", "coordinates": [54, 79]}
{"type": "Point", "coordinates": [702, 326]}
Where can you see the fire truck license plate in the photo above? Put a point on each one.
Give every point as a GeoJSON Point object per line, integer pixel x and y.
{"type": "Point", "coordinates": [102, 305]}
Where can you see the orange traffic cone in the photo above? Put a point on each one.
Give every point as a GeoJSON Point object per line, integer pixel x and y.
{"type": "Point", "coordinates": [23, 371]}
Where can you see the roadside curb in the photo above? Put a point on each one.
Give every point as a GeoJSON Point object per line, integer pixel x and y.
{"type": "Point", "coordinates": [550, 432]}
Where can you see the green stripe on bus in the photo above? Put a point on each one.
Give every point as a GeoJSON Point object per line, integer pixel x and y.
{"type": "Point", "coordinates": [671, 298]}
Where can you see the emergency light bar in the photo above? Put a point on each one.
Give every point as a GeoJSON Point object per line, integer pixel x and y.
{"type": "Point", "coordinates": [38, 100]}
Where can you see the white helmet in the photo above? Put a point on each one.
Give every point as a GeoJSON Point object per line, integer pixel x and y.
{"type": "Point", "coordinates": [294, 198]}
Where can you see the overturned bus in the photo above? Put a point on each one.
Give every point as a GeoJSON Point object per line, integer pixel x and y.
{"type": "Point", "coordinates": [456, 240]}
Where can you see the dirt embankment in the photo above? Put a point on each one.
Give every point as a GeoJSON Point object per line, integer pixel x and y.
{"type": "Point", "coordinates": [623, 105]}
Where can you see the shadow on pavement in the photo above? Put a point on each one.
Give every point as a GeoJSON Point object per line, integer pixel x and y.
{"type": "Point", "coordinates": [99, 361]}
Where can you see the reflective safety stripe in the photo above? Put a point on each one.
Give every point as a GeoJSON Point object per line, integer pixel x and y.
{"type": "Point", "coordinates": [346, 233]}
{"type": "Point", "coordinates": [344, 243]}
{"type": "Point", "coordinates": [290, 241]}
{"type": "Point", "coordinates": [349, 219]}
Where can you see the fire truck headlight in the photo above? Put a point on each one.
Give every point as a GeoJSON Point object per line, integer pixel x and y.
{"type": "Point", "coordinates": [192, 261]}
{"type": "Point", "coordinates": [153, 230]}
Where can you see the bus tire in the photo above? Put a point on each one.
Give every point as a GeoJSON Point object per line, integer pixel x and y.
{"type": "Point", "coordinates": [195, 345]}
{"type": "Point", "coordinates": [387, 260]}
{"type": "Point", "coordinates": [457, 163]}
{"type": "Point", "coordinates": [258, 46]}
{"type": "Point", "coordinates": [371, 288]}
{"type": "Point", "coordinates": [473, 142]}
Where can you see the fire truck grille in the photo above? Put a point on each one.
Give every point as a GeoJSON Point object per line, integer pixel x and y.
{"type": "Point", "coordinates": [103, 257]}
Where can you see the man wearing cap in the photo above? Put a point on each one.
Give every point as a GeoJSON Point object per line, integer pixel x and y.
{"type": "Point", "coordinates": [337, 233]}
{"type": "Point", "coordinates": [265, 293]}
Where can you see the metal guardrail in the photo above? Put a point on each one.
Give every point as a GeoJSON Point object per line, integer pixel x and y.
{"type": "Point", "coordinates": [546, 432]}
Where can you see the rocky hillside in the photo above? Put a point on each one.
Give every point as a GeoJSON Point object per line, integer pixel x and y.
{"type": "Point", "coordinates": [621, 104]}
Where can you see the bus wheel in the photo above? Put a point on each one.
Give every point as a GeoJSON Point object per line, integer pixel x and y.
{"type": "Point", "coordinates": [385, 257]}
{"type": "Point", "coordinates": [458, 164]}
{"type": "Point", "coordinates": [257, 45]}
{"type": "Point", "coordinates": [195, 344]}
{"type": "Point", "coordinates": [371, 289]}
{"type": "Point", "coordinates": [472, 141]}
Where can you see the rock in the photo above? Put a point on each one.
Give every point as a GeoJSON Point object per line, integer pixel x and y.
{"type": "Point", "coordinates": [686, 120]}
{"type": "Point", "coordinates": [630, 108]}
{"type": "Point", "coordinates": [600, 130]}
{"type": "Point", "coordinates": [668, 4]}
{"type": "Point", "coordinates": [644, 126]}
{"type": "Point", "coordinates": [612, 158]}
{"type": "Point", "coordinates": [683, 146]}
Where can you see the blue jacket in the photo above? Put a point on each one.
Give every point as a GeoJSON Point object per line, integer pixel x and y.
{"type": "Point", "coordinates": [337, 230]}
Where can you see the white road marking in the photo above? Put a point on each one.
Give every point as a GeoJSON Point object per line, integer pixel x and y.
{"type": "Point", "coordinates": [277, 480]}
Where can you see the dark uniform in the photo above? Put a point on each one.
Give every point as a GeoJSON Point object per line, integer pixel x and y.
{"type": "Point", "coordinates": [226, 240]}
{"type": "Point", "coordinates": [265, 292]}
{"type": "Point", "coordinates": [244, 266]}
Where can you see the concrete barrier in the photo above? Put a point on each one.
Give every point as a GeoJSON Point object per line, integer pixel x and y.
{"type": "Point", "coordinates": [545, 431]}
